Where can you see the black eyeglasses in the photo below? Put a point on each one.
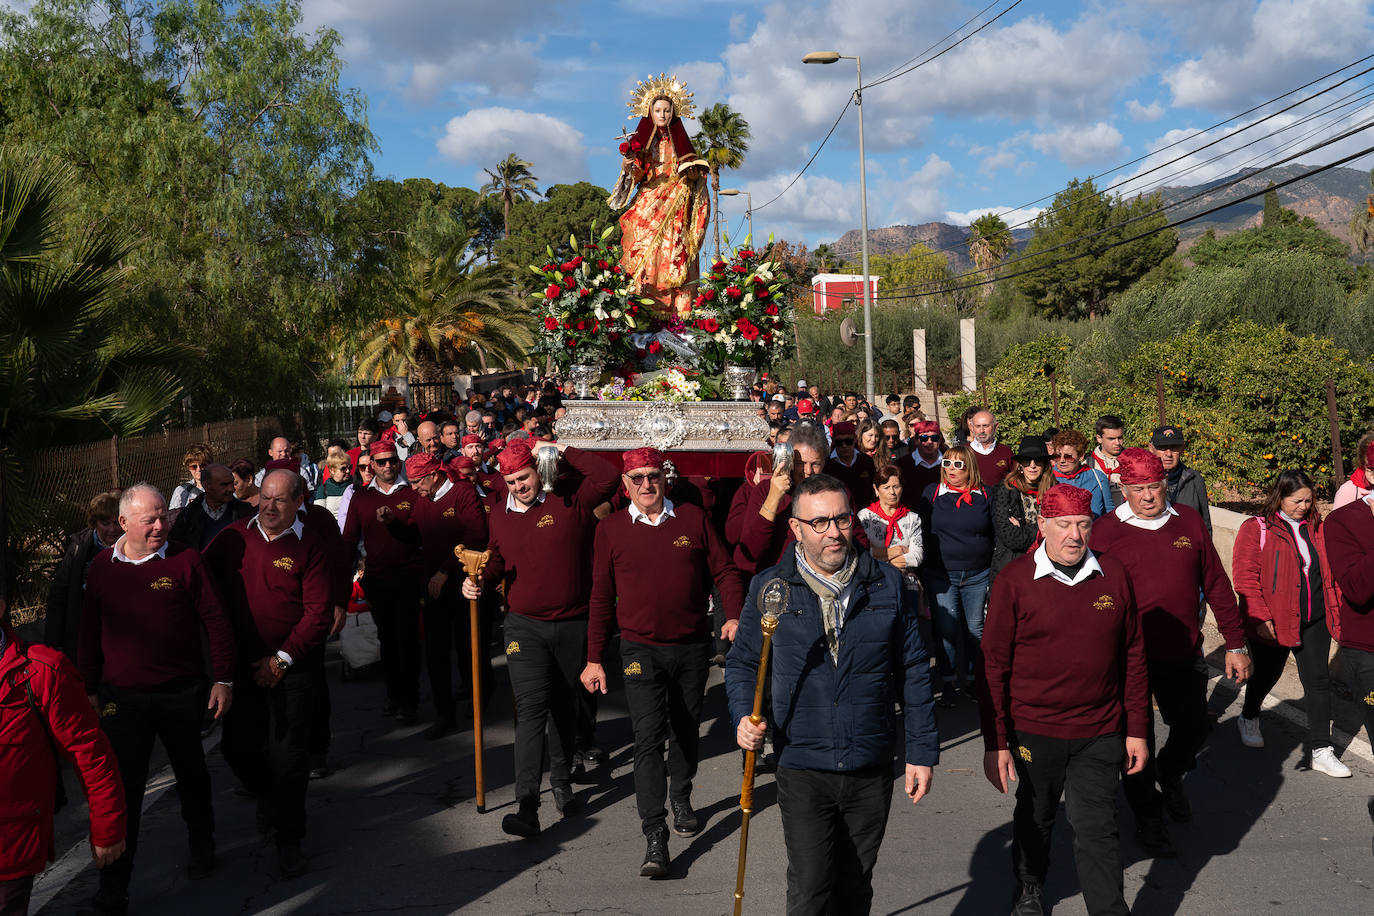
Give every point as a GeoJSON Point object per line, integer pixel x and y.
{"type": "Point", "coordinates": [392, 460]}
{"type": "Point", "coordinates": [822, 525]}
{"type": "Point", "coordinates": [365, 469]}
{"type": "Point", "coordinates": [929, 437]}
{"type": "Point", "coordinates": [639, 480]}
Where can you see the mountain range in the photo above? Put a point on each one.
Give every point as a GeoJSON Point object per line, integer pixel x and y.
{"type": "Point", "coordinates": [1329, 198]}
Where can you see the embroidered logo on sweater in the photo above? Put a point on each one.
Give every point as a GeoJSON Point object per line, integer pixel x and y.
{"type": "Point", "coordinates": [107, 710]}
{"type": "Point", "coordinates": [633, 668]}
{"type": "Point", "coordinates": [1001, 462]}
{"type": "Point", "coordinates": [512, 648]}
{"type": "Point", "coordinates": [1369, 700]}
{"type": "Point", "coordinates": [405, 505]}
{"type": "Point", "coordinates": [285, 563]}
{"type": "Point", "coordinates": [448, 513]}
{"type": "Point", "coordinates": [1105, 603]}
{"type": "Point", "coordinates": [544, 521]}
{"type": "Point", "coordinates": [682, 541]}
{"type": "Point", "coordinates": [1183, 543]}
{"type": "Point", "coordinates": [164, 584]}
{"type": "Point", "coordinates": [1024, 753]}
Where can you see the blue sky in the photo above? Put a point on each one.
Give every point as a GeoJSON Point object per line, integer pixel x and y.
{"type": "Point", "coordinates": [1051, 91]}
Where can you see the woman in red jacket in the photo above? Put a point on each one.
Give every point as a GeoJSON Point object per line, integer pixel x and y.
{"type": "Point", "coordinates": [1290, 602]}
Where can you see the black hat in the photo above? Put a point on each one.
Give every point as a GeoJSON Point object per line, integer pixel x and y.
{"type": "Point", "coordinates": [1032, 447]}
{"type": "Point", "coordinates": [1167, 437]}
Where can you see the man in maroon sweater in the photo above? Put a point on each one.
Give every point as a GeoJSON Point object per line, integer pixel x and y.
{"type": "Point", "coordinates": [541, 543]}
{"type": "Point", "coordinates": [994, 458]}
{"type": "Point", "coordinates": [850, 466]}
{"type": "Point", "coordinates": [447, 513]}
{"type": "Point", "coordinates": [764, 529]}
{"type": "Point", "coordinates": [1171, 559]}
{"type": "Point", "coordinates": [145, 606]}
{"type": "Point", "coordinates": [378, 517]}
{"type": "Point", "coordinates": [652, 570]}
{"type": "Point", "coordinates": [275, 576]}
{"type": "Point", "coordinates": [1059, 727]}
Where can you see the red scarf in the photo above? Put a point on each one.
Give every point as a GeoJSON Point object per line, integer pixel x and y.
{"type": "Point", "coordinates": [965, 495]}
{"type": "Point", "coordinates": [892, 530]}
{"type": "Point", "coordinates": [1359, 479]}
{"type": "Point", "coordinates": [1074, 476]}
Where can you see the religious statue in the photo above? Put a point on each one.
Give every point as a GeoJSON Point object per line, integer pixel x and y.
{"type": "Point", "coordinates": [662, 231]}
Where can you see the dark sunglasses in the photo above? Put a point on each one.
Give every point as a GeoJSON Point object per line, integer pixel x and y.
{"type": "Point", "coordinates": [822, 524]}
{"type": "Point", "coordinates": [929, 437]}
{"type": "Point", "coordinates": [845, 441]}
{"type": "Point", "coordinates": [1040, 462]}
{"type": "Point", "coordinates": [392, 460]}
{"type": "Point", "coordinates": [365, 468]}
{"type": "Point", "coordinates": [1066, 456]}
{"type": "Point", "coordinates": [639, 480]}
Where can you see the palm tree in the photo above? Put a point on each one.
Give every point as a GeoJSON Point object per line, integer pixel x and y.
{"type": "Point", "coordinates": [988, 243]}
{"type": "Point", "coordinates": [722, 142]}
{"type": "Point", "coordinates": [824, 256]}
{"type": "Point", "coordinates": [443, 314]}
{"type": "Point", "coordinates": [512, 180]}
{"type": "Point", "coordinates": [1362, 221]}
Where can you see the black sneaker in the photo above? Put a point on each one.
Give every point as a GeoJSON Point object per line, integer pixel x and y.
{"type": "Point", "coordinates": [656, 859]}
{"type": "Point", "coordinates": [523, 823]}
{"type": "Point", "coordinates": [1153, 837]}
{"type": "Point", "coordinates": [593, 756]}
{"type": "Point", "coordinates": [291, 862]}
{"type": "Point", "coordinates": [566, 801]}
{"type": "Point", "coordinates": [1030, 901]}
{"type": "Point", "coordinates": [203, 861]}
{"type": "Point", "coordinates": [1176, 802]}
{"type": "Point", "coordinates": [685, 821]}
{"type": "Point", "coordinates": [441, 728]}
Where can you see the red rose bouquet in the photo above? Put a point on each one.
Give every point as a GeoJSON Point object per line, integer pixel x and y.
{"type": "Point", "coordinates": [741, 314]}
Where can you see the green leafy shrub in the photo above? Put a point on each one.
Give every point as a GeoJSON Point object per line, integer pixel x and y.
{"type": "Point", "coordinates": [1019, 392]}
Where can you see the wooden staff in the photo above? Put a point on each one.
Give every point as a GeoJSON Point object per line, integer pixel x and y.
{"type": "Point", "coordinates": [773, 599]}
{"type": "Point", "coordinates": [473, 563]}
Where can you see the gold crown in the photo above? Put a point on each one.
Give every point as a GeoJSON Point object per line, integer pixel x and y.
{"type": "Point", "coordinates": [642, 98]}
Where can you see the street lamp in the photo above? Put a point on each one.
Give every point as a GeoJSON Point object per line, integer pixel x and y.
{"type": "Point", "coordinates": [830, 57]}
{"type": "Point", "coordinates": [735, 192]}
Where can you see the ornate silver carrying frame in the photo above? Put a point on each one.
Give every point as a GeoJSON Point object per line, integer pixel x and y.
{"type": "Point", "coordinates": [692, 426]}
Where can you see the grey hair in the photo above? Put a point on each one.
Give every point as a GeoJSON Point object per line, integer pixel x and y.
{"type": "Point", "coordinates": [131, 495]}
{"type": "Point", "coordinates": [473, 416]}
{"type": "Point", "coordinates": [812, 436]}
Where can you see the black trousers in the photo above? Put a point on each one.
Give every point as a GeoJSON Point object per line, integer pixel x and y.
{"type": "Point", "coordinates": [321, 735]}
{"type": "Point", "coordinates": [1085, 771]}
{"type": "Point", "coordinates": [448, 632]}
{"type": "Point", "coordinates": [133, 720]}
{"type": "Point", "coordinates": [1359, 675]}
{"type": "Point", "coordinates": [1179, 689]}
{"type": "Point", "coordinates": [395, 604]}
{"type": "Point", "coordinates": [832, 826]}
{"type": "Point", "coordinates": [1313, 658]}
{"type": "Point", "coordinates": [267, 741]}
{"type": "Point", "coordinates": [664, 689]}
{"type": "Point", "coordinates": [544, 659]}
{"type": "Point", "coordinates": [14, 895]}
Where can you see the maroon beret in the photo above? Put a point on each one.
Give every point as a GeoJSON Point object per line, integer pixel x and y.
{"type": "Point", "coordinates": [421, 465]}
{"type": "Point", "coordinates": [496, 445]}
{"type": "Point", "coordinates": [1369, 456]}
{"type": "Point", "coordinates": [283, 464]}
{"type": "Point", "coordinates": [472, 439]}
{"type": "Point", "coordinates": [1063, 499]}
{"type": "Point", "coordinates": [643, 458]}
{"type": "Point", "coordinates": [842, 429]}
{"type": "Point", "coordinates": [1140, 466]}
{"type": "Point", "coordinates": [382, 447]}
{"type": "Point", "coordinates": [515, 457]}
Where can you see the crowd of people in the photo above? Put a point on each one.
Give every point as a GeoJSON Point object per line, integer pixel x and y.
{"type": "Point", "coordinates": [905, 571]}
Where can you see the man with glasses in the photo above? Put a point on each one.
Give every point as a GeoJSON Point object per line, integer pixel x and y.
{"type": "Point", "coordinates": [378, 517]}
{"type": "Point", "coordinates": [923, 467]}
{"type": "Point", "coordinates": [652, 570]}
{"type": "Point", "coordinates": [846, 651]}
{"type": "Point", "coordinates": [994, 458]}
{"type": "Point", "coordinates": [764, 530]}
{"type": "Point", "coordinates": [891, 433]}
{"type": "Point", "coordinates": [849, 466]}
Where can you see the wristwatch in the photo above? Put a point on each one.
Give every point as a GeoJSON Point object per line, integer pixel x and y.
{"type": "Point", "coordinates": [279, 664]}
{"type": "Point", "coordinates": [1243, 650]}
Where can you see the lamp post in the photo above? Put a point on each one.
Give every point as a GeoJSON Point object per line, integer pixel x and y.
{"type": "Point", "coordinates": [735, 192]}
{"type": "Point", "coordinates": [830, 57]}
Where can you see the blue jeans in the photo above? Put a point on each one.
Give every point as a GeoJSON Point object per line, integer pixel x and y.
{"type": "Point", "coordinates": [958, 601]}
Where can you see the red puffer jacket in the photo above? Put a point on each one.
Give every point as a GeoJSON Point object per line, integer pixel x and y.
{"type": "Point", "coordinates": [27, 770]}
{"type": "Point", "coordinates": [1268, 576]}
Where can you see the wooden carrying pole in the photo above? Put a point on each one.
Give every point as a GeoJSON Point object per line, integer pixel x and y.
{"type": "Point", "coordinates": [473, 563]}
{"type": "Point", "coordinates": [773, 598]}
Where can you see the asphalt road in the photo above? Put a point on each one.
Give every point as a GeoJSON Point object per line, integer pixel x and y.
{"type": "Point", "coordinates": [395, 830]}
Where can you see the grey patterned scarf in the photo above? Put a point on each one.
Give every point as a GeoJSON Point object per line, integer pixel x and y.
{"type": "Point", "coordinates": [828, 592]}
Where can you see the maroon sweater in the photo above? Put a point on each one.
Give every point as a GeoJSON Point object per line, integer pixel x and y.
{"type": "Point", "coordinates": [279, 592]}
{"type": "Point", "coordinates": [656, 581]}
{"type": "Point", "coordinates": [388, 555]}
{"type": "Point", "coordinates": [915, 479]}
{"type": "Point", "coordinates": [321, 521]}
{"type": "Point", "coordinates": [1349, 535]}
{"type": "Point", "coordinates": [1063, 661]}
{"type": "Point", "coordinates": [141, 624]}
{"type": "Point", "coordinates": [857, 479]}
{"type": "Point", "coordinates": [455, 518]}
{"type": "Point", "coordinates": [545, 553]}
{"type": "Point", "coordinates": [1167, 567]}
{"type": "Point", "coordinates": [995, 466]}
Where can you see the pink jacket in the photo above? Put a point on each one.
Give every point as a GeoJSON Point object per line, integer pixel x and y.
{"type": "Point", "coordinates": [1266, 569]}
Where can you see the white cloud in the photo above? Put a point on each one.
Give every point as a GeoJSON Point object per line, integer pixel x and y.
{"type": "Point", "coordinates": [484, 136]}
{"type": "Point", "coordinates": [1281, 44]}
{"type": "Point", "coordinates": [1151, 112]}
{"type": "Point", "coordinates": [1014, 217]}
{"type": "Point", "coordinates": [1076, 146]}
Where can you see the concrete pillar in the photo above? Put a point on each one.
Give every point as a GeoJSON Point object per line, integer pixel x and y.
{"type": "Point", "coordinates": [918, 359]}
{"type": "Point", "coordinates": [967, 354]}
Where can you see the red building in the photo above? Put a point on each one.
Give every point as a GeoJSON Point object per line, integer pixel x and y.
{"type": "Point", "coordinates": [831, 292]}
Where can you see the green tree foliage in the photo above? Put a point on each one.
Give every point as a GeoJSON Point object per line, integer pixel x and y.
{"type": "Point", "coordinates": [823, 258]}
{"type": "Point", "coordinates": [1285, 232]}
{"type": "Point", "coordinates": [1085, 225]}
{"type": "Point", "coordinates": [567, 210]}
{"type": "Point", "coordinates": [511, 180]}
{"type": "Point", "coordinates": [913, 272]}
{"type": "Point", "coordinates": [1362, 221]}
{"type": "Point", "coordinates": [217, 138]}
{"type": "Point", "coordinates": [1271, 207]}
{"type": "Point", "coordinates": [722, 142]}
{"type": "Point", "coordinates": [1019, 391]}
{"type": "Point", "coordinates": [989, 242]}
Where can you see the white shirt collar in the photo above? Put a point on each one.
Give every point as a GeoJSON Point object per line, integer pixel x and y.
{"type": "Point", "coordinates": [1124, 513]}
{"type": "Point", "coordinates": [942, 489]}
{"type": "Point", "coordinates": [836, 456]}
{"type": "Point", "coordinates": [1045, 567]}
{"type": "Point", "coordinates": [121, 556]}
{"type": "Point", "coordinates": [376, 485]}
{"type": "Point", "coordinates": [443, 488]}
{"type": "Point", "coordinates": [637, 514]}
{"type": "Point", "coordinates": [981, 449]}
{"type": "Point", "coordinates": [922, 463]}
{"type": "Point", "coordinates": [215, 514]}
{"type": "Point", "coordinates": [297, 528]}
{"type": "Point", "coordinates": [513, 506]}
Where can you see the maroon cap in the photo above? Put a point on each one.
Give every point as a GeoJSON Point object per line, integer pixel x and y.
{"type": "Point", "coordinates": [1140, 466]}
{"type": "Point", "coordinates": [515, 457]}
{"type": "Point", "coordinates": [472, 439]}
{"type": "Point", "coordinates": [1063, 499]}
{"type": "Point", "coordinates": [842, 429]}
{"type": "Point", "coordinates": [382, 447]}
{"type": "Point", "coordinates": [643, 458]}
{"type": "Point", "coordinates": [421, 465]}
{"type": "Point", "coordinates": [283, 464]}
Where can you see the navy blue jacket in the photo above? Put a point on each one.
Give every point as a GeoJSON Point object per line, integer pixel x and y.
{"type": "Point", "coordinates": [958, 539]}
{"type": "Point", "coordinates": [841, 717]}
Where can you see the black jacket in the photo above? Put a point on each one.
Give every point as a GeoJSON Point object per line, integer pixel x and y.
{"type": "Point", "coordinates": [66, 591]}
{"type": "Point", "coordinates": [191, 522]}
{"type": "Point", "coordinates": [1011, 540]}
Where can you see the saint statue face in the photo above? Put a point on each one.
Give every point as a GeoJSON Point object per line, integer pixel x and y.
{"type": "Point", "coordinates": [661, 112]}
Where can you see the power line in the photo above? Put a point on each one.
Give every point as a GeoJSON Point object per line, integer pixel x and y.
{"type": "Point", "coordinates": [813, 155]}
{"type": "Point", "coordinates": [972, 19]}
{"type": "Point", "coordinates": [938, 55]}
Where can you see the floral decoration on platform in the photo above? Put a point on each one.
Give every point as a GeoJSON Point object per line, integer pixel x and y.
{"type": "Point", "coordinates": [669, 385]}
{"type": "Point", "coordinates": [741, 315]}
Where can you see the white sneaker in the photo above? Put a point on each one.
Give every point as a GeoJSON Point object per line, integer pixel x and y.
{"type": "Point", "coordinates": [1250, 734]}
{"type": "Point", "coordinates": [1324, 761]}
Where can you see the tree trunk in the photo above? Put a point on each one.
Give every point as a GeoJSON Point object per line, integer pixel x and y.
{"type": "Point", "coordinates": [715, 202]}
{"type": "Point", "coordinates": [505, 203]}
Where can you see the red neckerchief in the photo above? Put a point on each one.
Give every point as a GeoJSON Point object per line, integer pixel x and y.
{"type": "Point", "coordinates": [965, 495]}
{"type": "Point", "coordinates": [892, 520]}
{"type": "Point", "coordinates": [1359, 479]}
{"type": "Point", "coordinates": [1022, 488]}
{"type": "Point", "coordinates": [1074, 476]}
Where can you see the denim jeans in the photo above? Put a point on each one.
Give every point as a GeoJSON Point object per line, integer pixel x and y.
{"type": "Point", "coordinates": [958, 603]}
